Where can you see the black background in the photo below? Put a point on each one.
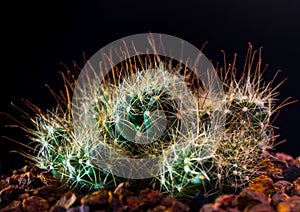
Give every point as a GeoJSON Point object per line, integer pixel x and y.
{"type": "Point", "coordinates": [36, 37]}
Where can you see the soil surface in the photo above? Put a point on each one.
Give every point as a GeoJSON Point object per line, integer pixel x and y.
{"type": "Point", "coordinates": [277, 188]}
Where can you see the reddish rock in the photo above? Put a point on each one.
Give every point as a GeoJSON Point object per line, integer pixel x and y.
{"type": "Point", "coordinates": [167, 201]}
{"type": "Point", "coordinates": [14, 206]}
{"type": "Point", "coordinates": [57, 208]}
{"type": "Point", "coordinates": [262, 184]}
{"type": "Point", "coordinates": [96, 200]}
{"type": "Point", "coordinates": [283, 186]}
{"type": "Point", "coordinates": [285, 158]}
{"type": "Point", "coordinates": [171, 204]}
{"type": "Point", "coordinates": [35, 203]}
{"type": "Point", "coordinates": [160, 208]}
{"type": "Point", "coordinates": [8, 194]}
{"type": "Point", "coordinates": [24, 196]}
{"type": "Point", "coordinates": [261, 208]}
{"type": "Point", "coordinates": [268, 168]}
{"type": "Point", "coordinates": [222, 203]}
{"type": "Point", "coordinates": [290, 205]}
{"type": "Point", "coordinates": [149, 198]}
{"type": "Point", "coordinates": [296, 187]}
{"type": "Point", "coordinates": [226, 201]}
{"type": "Point", "coordinates": [115, 202]}
{"type": "Point", "coordinates": [211, 208]}
{"type": "Point", "coordinates": [132, 203]}
{"type": "Point", "coordinates": [249, 198]}
{"type": "Point", "coordinates": [178, 207]}
{"type": "Point", "coordinates": [67, 200]}
{"type": "Point", "coordinates": [279, 197]}
{"type": "Point", "coordinates": [50, 193]}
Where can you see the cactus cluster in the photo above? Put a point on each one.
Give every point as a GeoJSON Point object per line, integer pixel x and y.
{"type": "Point", "coordinates": [156, 101]}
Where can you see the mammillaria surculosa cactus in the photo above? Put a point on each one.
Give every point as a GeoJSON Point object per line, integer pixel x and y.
{"type": "Point", "coordinates": [152, 107]}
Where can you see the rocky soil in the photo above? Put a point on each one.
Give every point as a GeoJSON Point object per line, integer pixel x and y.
{"type": "Point", "coordinates": [277, 188]}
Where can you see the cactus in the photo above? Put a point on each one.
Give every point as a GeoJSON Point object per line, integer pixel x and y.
{"type": "Point", "coordinates": [250, 105]}
{"type": "Point", "coordinates": [150, 98]}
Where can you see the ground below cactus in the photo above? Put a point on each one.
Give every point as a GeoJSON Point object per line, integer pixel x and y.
{"type": "Point", "coordinates": [277, 188]}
